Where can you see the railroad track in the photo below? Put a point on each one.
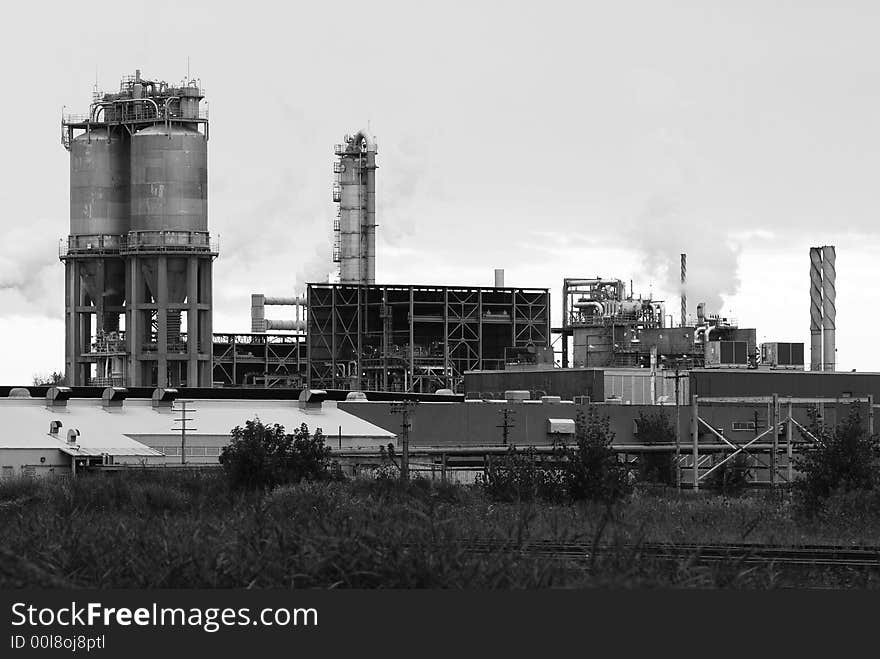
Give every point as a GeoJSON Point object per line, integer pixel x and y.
{"type": "Point", "coordinates": [856, 557]}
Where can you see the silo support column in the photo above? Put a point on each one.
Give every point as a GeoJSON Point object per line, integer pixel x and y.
{"type": "Point", "coordinates": [193, 329]}
{"type": "Point", "coordinates": [695, 434]}
{"type": "Point", "coordinates": [162, 322]}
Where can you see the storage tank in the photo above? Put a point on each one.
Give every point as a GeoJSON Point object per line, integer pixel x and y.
{"type": "Point", "coordinates": [99, 189]}
{"type": "Point", "coordinates": [169, 179]}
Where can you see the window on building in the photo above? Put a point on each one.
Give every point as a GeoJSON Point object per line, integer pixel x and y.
{"type": "Point", "coordinates": [744, 426]}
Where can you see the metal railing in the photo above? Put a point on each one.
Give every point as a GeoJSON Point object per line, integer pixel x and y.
{"type": "Point", "coordinates": [69, 118]}
{"type": "Point", "coordinates": [139, 241]}
{"type": "Point", "coordinates": [91, 244]}
{"type": "Point", "coordinates": [195, 241]}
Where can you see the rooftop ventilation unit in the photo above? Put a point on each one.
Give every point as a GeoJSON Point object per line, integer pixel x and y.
{"type": "Point", "coordinates": [57, 396]}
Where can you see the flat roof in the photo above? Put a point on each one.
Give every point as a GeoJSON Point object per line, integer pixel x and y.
{"type": "Point", "coordinates": [116, 430]}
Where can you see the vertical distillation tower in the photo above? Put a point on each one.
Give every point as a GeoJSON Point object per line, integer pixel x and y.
{"type": "Point", "coordinates": [354, 189]}
{"type": "Point", "coordinates": [823, 308]}
{"type": "Point", "coordinates": [139, 251]}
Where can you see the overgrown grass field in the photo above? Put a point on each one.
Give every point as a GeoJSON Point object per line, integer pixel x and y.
{"type": "Point", "coordinates": [171, 529]}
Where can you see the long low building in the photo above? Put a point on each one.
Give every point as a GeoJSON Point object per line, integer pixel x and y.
{"type": "Point", "coordinates": [62, 432]}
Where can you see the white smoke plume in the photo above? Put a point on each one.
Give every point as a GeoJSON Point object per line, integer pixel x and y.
{"type": "Point", "coordinates": [31, 277]}
{"type": "Point", "coordinates": [663, 232]}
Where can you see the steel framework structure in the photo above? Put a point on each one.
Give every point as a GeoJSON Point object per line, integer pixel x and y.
{"type": "Point", "coordinates": [765, 454]}
{"type": "Point", "coordinates": [259, 360]}
{"type": "Point", "coordinates": [417, 338]}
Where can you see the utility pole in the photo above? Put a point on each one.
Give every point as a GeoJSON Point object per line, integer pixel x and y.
{"type": "Point", "coordinates": [506, 424]}
{"type": "Point", "coordinates": [405, 409]}
{"type": "Point", "coordinates": [183, 421]}
{"type": "Point", "coordinates": [678, 376]}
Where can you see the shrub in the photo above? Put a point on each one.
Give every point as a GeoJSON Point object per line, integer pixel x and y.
{"type": "Point", "coordinates": [653, 429]}
{"type": "Point", "coordinates": [263, 456]}
{"type": "Point", "coordinates": [591, 469]}
{"type": "Point", "coordinates": [844, 459]}
{"type": "Point", "coordinates": [520, 476]}
{"type": "Point", "coordinates": [731, 478]}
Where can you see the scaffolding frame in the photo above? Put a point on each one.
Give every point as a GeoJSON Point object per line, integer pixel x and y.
{"type": "Point", "coordinates": [267, 360]}
{"type": "Point", "coordinates": [774, 403]}
{"type": "Point", "coordinates": [412, 338]}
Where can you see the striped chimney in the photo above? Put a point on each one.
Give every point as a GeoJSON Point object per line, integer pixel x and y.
{"type": "Point", "coordinates": [829, 309]}
{"type": "Point", "coordinates": [684, 299]}
{"type": "Point", "coordinates": [815, 309]}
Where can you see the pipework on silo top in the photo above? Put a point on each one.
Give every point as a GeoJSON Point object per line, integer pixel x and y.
{"type": "Point", "coordinates": [139, 255]}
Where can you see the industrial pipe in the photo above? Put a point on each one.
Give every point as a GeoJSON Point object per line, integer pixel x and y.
{"type": "Point", "coordinates": [829, 310]}
{"type": "Point", "coordinates": [285, 301]}
{"type": "Point", "coordinates": [683, 290]}
{"type": "Point", "coordinates": [292, 325]}
{"type": "Point", "coordinates": [815, 309]}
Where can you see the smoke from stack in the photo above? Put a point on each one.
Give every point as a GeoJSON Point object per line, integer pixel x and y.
{"type": "Point", "coordinates": [663, 231]}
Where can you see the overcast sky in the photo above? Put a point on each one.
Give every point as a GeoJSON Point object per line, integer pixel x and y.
{"type": "Point", "coordinates": [551, 139]}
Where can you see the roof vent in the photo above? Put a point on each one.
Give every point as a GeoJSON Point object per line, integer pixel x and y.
{"type": "Point", "coordinates": [163, 398]}
{"type": "Point", "coordinates": [445, 392]}
{"type": "Point", "coordinates": [517, 395]}
{"type": "Point", "coordinates": [72, 435]}
{"type": "Point", "coordinates": [19, 392]}
{"type": "Point", "coordinates": [312, 399]}
{"type": "Point", "coordinates": [356, 395]}
{"type": "Point", "coordinates": [54, 427]}
{"type": "Point", "coordinates": [57, 396]}
{"type": "Point", "coordinates": [113, 397]}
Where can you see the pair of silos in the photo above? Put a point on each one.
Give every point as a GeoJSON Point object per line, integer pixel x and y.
{"type": "Point", "coordinates": [138, 213]}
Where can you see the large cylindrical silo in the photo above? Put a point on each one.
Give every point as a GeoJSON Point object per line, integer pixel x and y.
{"type": "Point", "coordinates": [99, 185]}
{"type": "Point", "coordinates": [169, 179]}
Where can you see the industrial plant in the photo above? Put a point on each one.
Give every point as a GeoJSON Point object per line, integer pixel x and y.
{"type": "Point", "coordinates": [138, 263]}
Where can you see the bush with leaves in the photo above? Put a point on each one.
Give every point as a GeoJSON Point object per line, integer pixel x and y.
{"type": "Point", "coordinates": [731, 478]}
{"type": "Point", "coordinates": [591, 470]}
{"type": "Point", "coordinates": [519, 475]}
{"type": "Point", "coordinates": [843, 459]}
{"type": "Point", "coordinates": [262, 456]}
{"type": "Point", "coordinates": [656, 467]}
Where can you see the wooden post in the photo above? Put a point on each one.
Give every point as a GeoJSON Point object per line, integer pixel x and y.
{"type": "Point", "coordinates": [788, 436]}
{"type": "Point", "coordinates": [443, 468]}
{"type": "Point", "coordinates": [774, 476]}
{"type": "Point", "coordinates": [677, 430]}
{"type": "Point", "coordinates": [695, 431]}
{"type": "Point", "coordinates": [871, 415]}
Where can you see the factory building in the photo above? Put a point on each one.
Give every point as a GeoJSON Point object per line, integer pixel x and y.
{"type": "Point", "coordinates": [60, 430]}
{"type": "Point", "coordinates": [608, 327]}
{"type": "Point", "coordinates": [139, 255]}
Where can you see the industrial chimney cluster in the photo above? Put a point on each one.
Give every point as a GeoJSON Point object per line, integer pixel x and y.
{"type": "Point", "coordinates": [139, 255]}
{"type": "Point", "coordinates": [823, 311]}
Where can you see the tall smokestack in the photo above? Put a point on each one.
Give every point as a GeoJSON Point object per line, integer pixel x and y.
{"type": "Point", "coordinates": [829, 310]}
{"type": "Point", "coordinates": [684, 299]}
{"type": "Point", "coordinates": [499, 277]}
{"type": "Point", "coordinates": [815, 309]}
